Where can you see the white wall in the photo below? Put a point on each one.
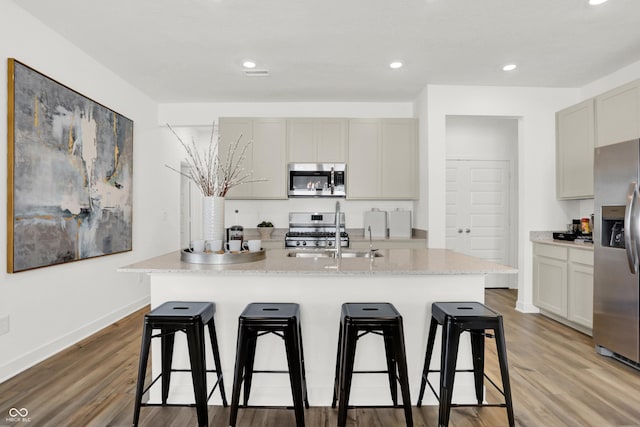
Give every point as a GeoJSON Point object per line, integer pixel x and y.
{"type": "Point", "coordinates": [481, 138]}
{"type": "Point", "coordinates": [53, 307]}
{"type": "Point", "coordinates": [535, 108]}
{"type": "Point", "coordinates": [184, 117]}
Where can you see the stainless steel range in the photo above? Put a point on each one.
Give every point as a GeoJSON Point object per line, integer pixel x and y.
{"type": "Point", "coordinates": [315, 230]}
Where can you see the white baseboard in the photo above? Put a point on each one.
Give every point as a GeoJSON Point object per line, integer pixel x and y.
{"type": "Point", "coordinates": [526, 307]}
{"type": "Point", "coordinates": [45, 351]}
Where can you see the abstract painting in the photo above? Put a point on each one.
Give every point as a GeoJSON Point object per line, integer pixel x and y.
{"type": "Point", "coordinates": [70, 163]}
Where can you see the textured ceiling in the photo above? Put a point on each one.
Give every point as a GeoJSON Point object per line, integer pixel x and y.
{"type": "Point", "coordinates": [339, 50]}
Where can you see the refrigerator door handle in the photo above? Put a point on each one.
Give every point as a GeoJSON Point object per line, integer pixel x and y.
{"type": "Point", "coordinates": [630, 229]}
{"type": "Point", "coordinates": [635, 224]}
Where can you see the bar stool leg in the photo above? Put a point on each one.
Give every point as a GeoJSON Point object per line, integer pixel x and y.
{"type": "Point", "coordinates": [304, 375]}
{"type": "Point", "coordinates": [252, 340]}
{"type": "Point", "coordinates": [166, 345]}
{"type": "Point", "coordinates": [450, 342]}
{"type": "Point", "coordinates": [346, 372]}
{"type": "Point", "coordinates": [142, 370]}
{"type": "Point", "coordinates": [238, 373]}
{"type": "Point", "coordinates": [213, 337]}
{"type": "Point", "coordinates": [195, 343]}
{"type": "Point", "coordinates": [398, 342]}
{"type": "Point", "coordinates": [390, 353]}
{"type": "Point", "coordinates": [294, 360]}
{"type": "Point", "coordinates": [477, 353]}
{"type": "Point", "coordinates": [427, 358]}
{"type": "Point", "coordinates": [336, 381]}
{"type": "Point", "coordinates": [501, 347]}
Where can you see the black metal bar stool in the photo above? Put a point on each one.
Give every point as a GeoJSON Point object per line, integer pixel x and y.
{"type": "Point", "coordinates": [357, 320]}
{"type": "Point", "coordinates": [455, 318]}
{"type": "Point", "coordinates": [283, 320]}
{"type": "Point", "coordinates": [190, 318]}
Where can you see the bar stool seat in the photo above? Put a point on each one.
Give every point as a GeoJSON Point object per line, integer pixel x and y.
{"type": "Point", "coordinates": [283, 320]}
{"type": "Point", "coordinates": [455, 318]}
{"type": "Point", "coordinates": [357, 320]}
{"type": "Point", "coordinates": [190, 318]}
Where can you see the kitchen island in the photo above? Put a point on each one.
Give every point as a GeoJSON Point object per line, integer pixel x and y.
{"type": "Point", "coordinates": [411, 279]}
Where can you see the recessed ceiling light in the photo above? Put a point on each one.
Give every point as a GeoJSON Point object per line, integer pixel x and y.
{"type": "Point", "coordinates": [395, 64]}
{"type": "Point", "coordinates": [249, 64]}
{"type": "Point", "coordinates": [596, 2]}
{"type": "Point", "coordinates": [509, 67]}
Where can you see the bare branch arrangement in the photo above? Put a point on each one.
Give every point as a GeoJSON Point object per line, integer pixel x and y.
{"type": "Point", "coordinates": [213, 176]}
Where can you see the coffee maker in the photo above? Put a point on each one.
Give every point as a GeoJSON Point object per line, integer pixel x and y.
{"type": "Point", "coordinates": [235, 232]}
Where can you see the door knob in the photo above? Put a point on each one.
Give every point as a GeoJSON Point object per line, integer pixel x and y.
{"type": "Point", "coordinates": [468, 230]}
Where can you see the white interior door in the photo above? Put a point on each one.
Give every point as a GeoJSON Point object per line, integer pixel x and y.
{"type": "Point", "coordinates": [477, 212]}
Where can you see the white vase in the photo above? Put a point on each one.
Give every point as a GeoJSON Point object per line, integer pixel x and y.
{"type": "Point", "coordinates": [213, 218]}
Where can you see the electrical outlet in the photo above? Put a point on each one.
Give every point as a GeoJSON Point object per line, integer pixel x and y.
{"type": "Point", "coordinates": [4, 324]}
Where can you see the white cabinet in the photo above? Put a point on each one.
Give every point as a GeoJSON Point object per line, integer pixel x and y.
{"type": "Point", "coordinates": [383, 159]}
{"type": "Point", "coordinates": [321, 140]}
{"type": "Point", "coordinates": [618, 114]}
{"type": "Point", "coordinates": [364, 179]}
{"type": "Point", "coordinates": [580, 289]}
{"type": "Point", "coordinates": [550, 279]}
{"type": "Point", "coordinates": [399, 159]}
{"type": "Point", "coordinates": [563, 284]}
{"type": "Point", "coordinates": [575, 133]}
{"type": "Point", "coordinates": [265, 158]}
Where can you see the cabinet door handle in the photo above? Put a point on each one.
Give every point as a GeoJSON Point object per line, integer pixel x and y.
{"type": "Point", "coordinates": [468, 230]}
{"type": "Point", "coordinates": [459, 230]}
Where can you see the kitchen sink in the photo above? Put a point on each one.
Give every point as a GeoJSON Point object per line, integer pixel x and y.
{"type": "Point", "coordinates": [323, 253]}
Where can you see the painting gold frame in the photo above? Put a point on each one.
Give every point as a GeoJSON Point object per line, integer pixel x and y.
{"type": "Point", "coordinates": [70, 174]}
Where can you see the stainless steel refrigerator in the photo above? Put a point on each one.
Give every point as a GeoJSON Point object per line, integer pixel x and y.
{"type": "Point", "coordinates": [616, 235]}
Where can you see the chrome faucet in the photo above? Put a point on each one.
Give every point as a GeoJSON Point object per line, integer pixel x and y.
{"type": "Point", "coordinates": [370, 242]}
{"type": "Point", "coordinates": [337, 243]}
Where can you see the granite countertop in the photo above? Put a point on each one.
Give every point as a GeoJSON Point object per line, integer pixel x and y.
{"type": "Point", "coordinates": [393, 262]}
{"type": "Point", "coordinates": [546, 237]}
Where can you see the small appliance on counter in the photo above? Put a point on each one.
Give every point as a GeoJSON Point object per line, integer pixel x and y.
{"type": "Point", "coordinates": [235, 232]}
{"type": "Point", "coordinates": [564, 235]}
{"type": "Point", "coordinates": [377, 220]}
{"type": "Point", "coordinates": [579, 230]}
{"type": "Point", "coordinates": [400, 224]}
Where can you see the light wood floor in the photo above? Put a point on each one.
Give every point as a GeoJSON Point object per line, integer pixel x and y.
{"type": "Point", "coordinates": [557, 379]}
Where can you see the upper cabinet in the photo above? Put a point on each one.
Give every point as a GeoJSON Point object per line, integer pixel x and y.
{"type": "Point", "coordinates": [383, 159]}
{"type": "Point", "coordinates": [618, 114]}
{"type": "Point", "coordinates": [265, 158]}
{"type": "Point", "coordinates": [381, 154]}
{"type": "Point", "coordinates": [575, 134]}
{"type": "Point", "coordinates": [317, 140]}
{"type": "Point", "coordinates": [609, 118]}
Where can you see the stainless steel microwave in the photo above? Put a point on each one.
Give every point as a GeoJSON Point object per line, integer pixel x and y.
{"type": "Point", "coordinates": [317, 180]}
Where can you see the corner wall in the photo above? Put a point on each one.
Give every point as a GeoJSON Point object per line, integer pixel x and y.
{"type": "Point", "coordinates": [535, 108]}
{"type": "Point", "coordinates": [51, 308]}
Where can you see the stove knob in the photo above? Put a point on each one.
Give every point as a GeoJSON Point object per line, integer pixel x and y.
{"type": "Point", "coordinates": [298, 243]}
{"type": "Point", "coordinates": [317, 242]}
{"type": "Point", "coordinates": [304, 243]}
{"type": "Point", "coordinates": [329, 243]}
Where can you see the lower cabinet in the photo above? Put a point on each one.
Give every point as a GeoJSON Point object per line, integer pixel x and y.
{"type": "Point", "coordinates": [563, 284]}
